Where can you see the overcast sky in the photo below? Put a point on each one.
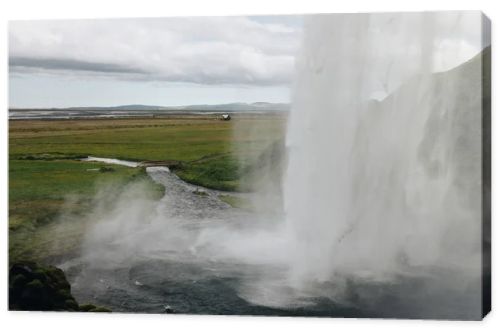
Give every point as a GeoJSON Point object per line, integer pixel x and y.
{"type": "Point", "coordinates": [213, 60]}
{"type": "Point", "coordinates": [164, 61]}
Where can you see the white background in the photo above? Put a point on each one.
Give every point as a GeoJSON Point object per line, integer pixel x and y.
{"type": "Point", "coordinates": [17, 322]}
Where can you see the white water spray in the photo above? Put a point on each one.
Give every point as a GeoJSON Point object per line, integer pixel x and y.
{"type": "Point", "coordinates": [374, 188]}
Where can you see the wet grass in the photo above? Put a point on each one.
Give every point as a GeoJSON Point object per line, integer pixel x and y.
{"type": "Point", "coordinates": [221, 173]}
{"type": "Point", "coordinates": [39, 190]}
{"type": "Point", "coordinates": [237, 202]}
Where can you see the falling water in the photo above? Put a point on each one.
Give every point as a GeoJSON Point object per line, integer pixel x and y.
{"type": "Point", "coordinates": [384, 148]}
{"type": "Point", "coordinates": [382, 192]}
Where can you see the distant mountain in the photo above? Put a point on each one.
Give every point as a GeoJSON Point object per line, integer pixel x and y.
{"type": "Point", "coordinates": [135, 107]}
{"type": "Point", "coordinates": [236, 107]}
{"type": "Point", "coordinates": [257, 106]}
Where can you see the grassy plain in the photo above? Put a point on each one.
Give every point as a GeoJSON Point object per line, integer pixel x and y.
{"type": "Point", "coordinates": [210, 151]}
{"type": "Point", "coordinates": [45, 175]}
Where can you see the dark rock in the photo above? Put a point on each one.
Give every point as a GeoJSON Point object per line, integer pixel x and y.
{"type": "Point", "coordinates": [100, 309]}
{"type": "Point", "coordinates": [167, 309]}
{"type": "Point", "coordinates": [87, 307]}
{"type": "Point", "coordinates": [92, 308]}
{"type": "Point", "coordinates": [33, 287]}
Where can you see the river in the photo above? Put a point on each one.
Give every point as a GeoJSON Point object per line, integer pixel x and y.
{"type": "Point", "coordinates": [190, 252]}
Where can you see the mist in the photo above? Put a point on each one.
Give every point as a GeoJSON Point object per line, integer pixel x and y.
{"type": "Point", "coordinates": [370, 204]}
{"type": "Point", "coordinates": [368, 182]}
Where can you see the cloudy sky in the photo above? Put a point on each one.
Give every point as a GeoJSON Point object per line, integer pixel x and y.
{"type": "Point", "coordinates": [213, 60]}
{"type": "Point", "coordinates": [164, 61]}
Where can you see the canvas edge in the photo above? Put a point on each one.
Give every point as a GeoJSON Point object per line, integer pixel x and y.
{"type": "Point", "coordinates": [486, 165]}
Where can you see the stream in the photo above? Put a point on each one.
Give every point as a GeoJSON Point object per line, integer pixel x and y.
{"type": "Point", "coordinates": [190, 252]}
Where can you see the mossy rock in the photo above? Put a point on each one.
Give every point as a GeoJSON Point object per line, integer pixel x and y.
{"type": "Point", "coordinates": [100, 309]}
{"type": "Point", "coordinates": [71, 304]}
{"type": "Point", "coordinates": [87, 307]}
{"type": "Point", "coordinates": [92, 308]}
{"type": "Point", "coordinates": [18, 281]}
{"type": "Point", "coordinates": [64, 293]}
{"type": "Point", "coordinates": [33, 287]}
{"type": "Point", "coordinates": [38, 288]}
{"type": "Point", "coordinates": [35, 284]}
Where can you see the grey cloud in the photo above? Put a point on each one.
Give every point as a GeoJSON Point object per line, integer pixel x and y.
{"type": "Point", "coordinates": [68, 64]}
{"type": "Point", "coordinates": [82, 69]}
{"type": "Point", "coordinates": [205, 50]}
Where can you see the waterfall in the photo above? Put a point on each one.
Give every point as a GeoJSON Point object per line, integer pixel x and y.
{"type": "Point", "coordinates": [384, 147]}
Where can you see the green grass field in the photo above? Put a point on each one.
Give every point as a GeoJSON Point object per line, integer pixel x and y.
{"type": "Point", "coordinates": [39, 190]}
{"type": "Point", "coordinates": [210, 151]}
{"type": "Point", "coordinates": [45, 175]}
{"type": "Point", "coordinates": [183, 139]}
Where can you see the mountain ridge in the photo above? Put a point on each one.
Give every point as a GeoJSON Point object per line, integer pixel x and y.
{"type": "Point", "coordinates": [235, 106]}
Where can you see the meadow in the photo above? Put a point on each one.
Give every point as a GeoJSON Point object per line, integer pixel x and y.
{"type": "Point", "coordinates": [46, 175]}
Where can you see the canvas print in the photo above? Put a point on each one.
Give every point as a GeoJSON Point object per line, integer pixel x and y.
{"type": "Point", "coordinates": [328, 165]}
